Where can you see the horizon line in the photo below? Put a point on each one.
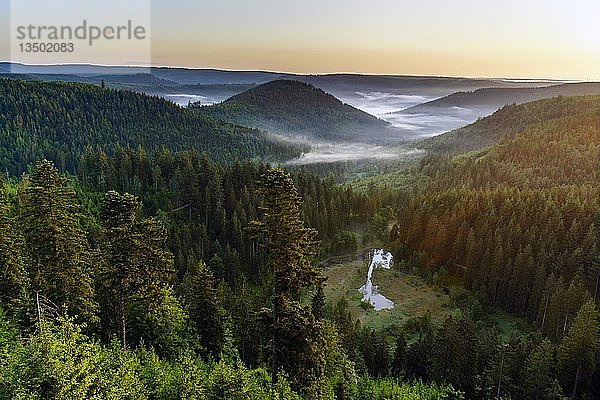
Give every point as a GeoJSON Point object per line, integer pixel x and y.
{"type": "Point", "coordinates": [505, 78]}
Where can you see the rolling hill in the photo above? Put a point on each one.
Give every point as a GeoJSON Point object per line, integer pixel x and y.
{"type": "Point", "coordinates": [484, 101]}
{"type": "Point", "coordinates": [295, 108]}
{"type": "Point", "coordinates": [461, 108]}
{"type": "Point", "coordinates": [494, 98]}
{"type": "Point", "coordinates": [510, 121]}
{"type": "Point", "coordinates": [59, 121]}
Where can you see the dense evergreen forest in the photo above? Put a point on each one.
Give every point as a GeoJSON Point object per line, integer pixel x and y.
{"type": "Point", "coordinates": [59, 121]}
{"type": "Point", "coordinates": [138, 267]}
{"type": "Point", "coordinates": [509, 121]}
{"type": "Point", "coordinates": [517, 222]}
{"type": "Point", "coordinates": [293, 107]}
{"type": "Point", "coordinates": [105, 298]}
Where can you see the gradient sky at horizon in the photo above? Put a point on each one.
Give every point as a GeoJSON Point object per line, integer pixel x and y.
{"type": "Point", "coordinates": [509, 38]}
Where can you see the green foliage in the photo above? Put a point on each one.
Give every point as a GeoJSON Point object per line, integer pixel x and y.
{"type": "Point", "coordinates": [163, 326]}
{"type": "Point", "coordinates": [14, 281]}
{"type": "Point", "coordinates": [344, 242]}
{"type": "Point", "coordinates": [538, 370]}
{"type": "Point", "coordinates": [370, 389]}
{"type": "Point", "coordinates": [296, 337]}
{"type": "Point", "coordinates": [455, 354]}
{"type": "Point", "coordinates": [59, 121]}
{"type": "Point", "coordinates": [510, 121]}
{"type": "Point", "coordinates": [540, 180]}
{"type": "Point", "coordinates": [137, 266]}
{"type": "Point", "coordinates": [381, 221]}
{"type": "Point", "coordinates": [375, 351]}
{"type": "Point", "coordinates": [317, 302]}
{"type": "Point", "coordinates": [207, 205]}
{"type": "Point", "coordinates": [59, 362]}
{"type": "Point", "coordinates": [579, 349]}
{"type": "Point", "coordinates": [290, 245]}
{"type": "Point", "coordinates": [399, 359]}
{"type": "Point", "coordinates": [59, 253]}
{"type": "Point", "coordinates": [204, 309]}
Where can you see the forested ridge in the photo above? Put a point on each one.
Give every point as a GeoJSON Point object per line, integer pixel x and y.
{"type": "Point", "coordinates": [58, 121]}
{"type": "Point", "coordinates": [509, 121]}
{"type": "Point", "coordinates": [495, 97]}
{"type": "Point", "coordinates": [517, 222]}
{"type": "Point", "coordinates": [293, 107]}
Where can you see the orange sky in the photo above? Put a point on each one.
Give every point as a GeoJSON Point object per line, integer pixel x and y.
{"type": "Point", "coordinates": [491, 38]}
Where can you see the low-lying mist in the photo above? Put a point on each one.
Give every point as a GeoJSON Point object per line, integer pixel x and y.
{"type": "Point", "coordinates": [381, 103]}
{"type": "Point", "coordinates": [426, 124]}
{"type": "Point", "coordinates": [335, 152]}
{"type": "Point", "coordinates": [395, 109]}
{"type": "Point", "coordinates": [407, 126]}
{"type": "Point", "coordinates": [183, 99]}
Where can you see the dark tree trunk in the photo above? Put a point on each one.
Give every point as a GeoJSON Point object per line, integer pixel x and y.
{"type": "Point", "coordinates": [574, 394]}
{"type": "Point", "coordinates": [122, 320]}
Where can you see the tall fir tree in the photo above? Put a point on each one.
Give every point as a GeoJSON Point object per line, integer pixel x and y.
{"type": "Point", "coordinates": [60, 255]}
{"type": "Point", "coordinates": [296, 345]}
{"type": "Point", "coordinates": [14, 283]}
{"type": "Point", "coordinates": [205, 312]}
{"type": "Point", "coordinates": [538, 370]}
{"type": "Point", "coordinates": [137, 264]}
{"type": "Point", "coordinates": [579, 349]}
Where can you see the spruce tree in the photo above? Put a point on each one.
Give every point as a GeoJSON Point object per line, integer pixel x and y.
{"type": "Point", "coordinates": [59, 252]}
{"type": "Point", "coordinates": [13, 276]}
{"type": "Point", "coordinates": [296, 344]}
{"type": "Point", "coordinates": [317, 305]}
{"type": "Point", "coordinates": [137, 265]}
{"type": "Point", "coordinates": [205, 312]}
{"type": "Point", "coordinates": [400, 354]}
{"type": "Point", "coordinates": [579, 349]}
{"type": "Point", "coordinates": [538, 370]}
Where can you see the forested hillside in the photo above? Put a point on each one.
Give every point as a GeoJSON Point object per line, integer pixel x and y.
{"type": "Point", "coordinates": [102, 298]}
{"type": "Point", "coordinates": [58, 121]}
{"type": "Point", "coordinates": [293, 107]}
{"type": "Point", "coordinates": [210, 205]}
{"type": "Point", "coordinates": [510, 121]}
{"type": "Point", "coordinates": [517, 223]}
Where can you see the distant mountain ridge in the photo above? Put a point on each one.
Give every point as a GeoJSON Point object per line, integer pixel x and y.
{"type": "Point", "coordinates": [296, 108]}
{"type": "Point", "coordinates": [341, 85]}
{"type": "Point", "coordinates": [510, 121]}
{"type": "Point", "coordinates": [491, 99]}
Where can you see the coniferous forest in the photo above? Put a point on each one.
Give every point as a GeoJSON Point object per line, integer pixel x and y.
{"type": "Point", "coordinates": [149, 251]}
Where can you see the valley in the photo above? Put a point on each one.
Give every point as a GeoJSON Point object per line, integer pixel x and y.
{"type": "Point", "coordinates": [300, 200]}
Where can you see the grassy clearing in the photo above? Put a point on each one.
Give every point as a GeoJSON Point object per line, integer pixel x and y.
{"type": "Point", "coordinates": [410, 294]}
